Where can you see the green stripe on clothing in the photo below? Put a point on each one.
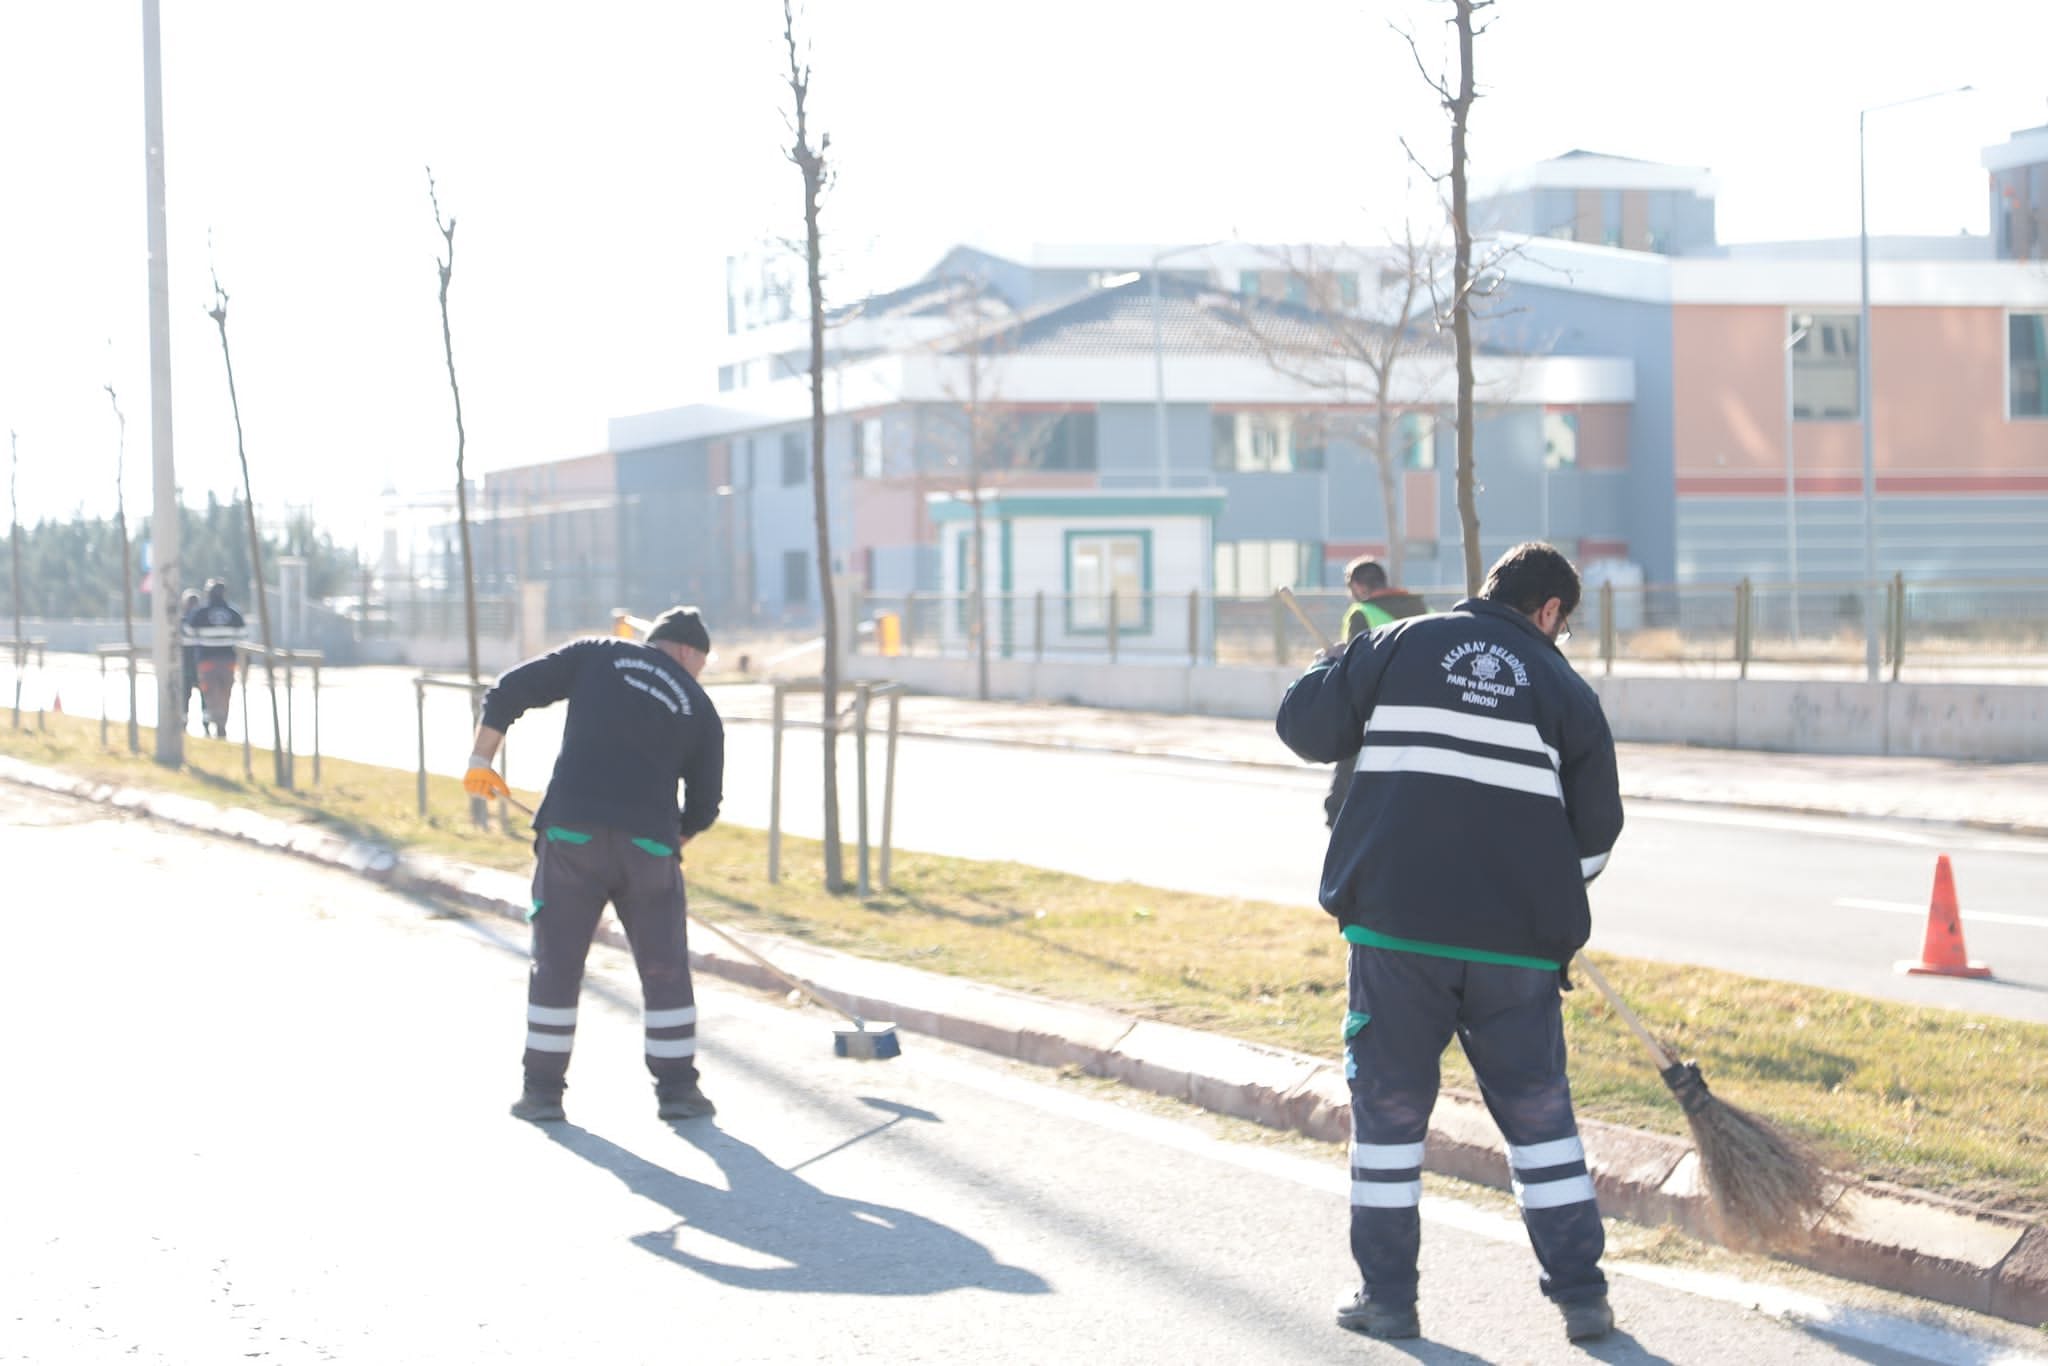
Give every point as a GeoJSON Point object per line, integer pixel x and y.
{"type": "Point", "coordinates": [654, 847]}
{"type": "Point", "coordinates": [1358, 934]}
{"type": "Point", "coordinates": [559, 835]}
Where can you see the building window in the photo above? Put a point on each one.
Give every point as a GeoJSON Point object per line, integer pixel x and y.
{"type": "Point", "coordinates": [1068, 443]}
{"type": "Point", "coordinates": [1255, 569]}
{"type": "Point", "coordinates": [1101, 563]}
{"type": "Point", "coordinates": [867, 448]}
{"type": "Point", "coordinates": [1266, 442]}
{"type": "Point", "coordinates": [1824, 367]}
{"type": "Point", "coordinates": [2027, 364]}
{"type": "Point", "coordinates": [796, 459]}
{"type": "Point", "coordinates": [1415, 438]}
{"type": "Point", "coordinates": [1560, 439]}
{"type": "Point", "coordinates": [796, 577]}
{"type": "Point", "coordinates": [726, 378]}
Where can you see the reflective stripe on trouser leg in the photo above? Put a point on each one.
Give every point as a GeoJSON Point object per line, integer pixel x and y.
{"type": "Point", "coordinates": [569, 893]}
{"type": "Point", "coordinates": [1407, 1017]}
{"type": "Point", "coordinates": [1515, 1040]}
{"type": "Point", "coordinates": [649, 901]}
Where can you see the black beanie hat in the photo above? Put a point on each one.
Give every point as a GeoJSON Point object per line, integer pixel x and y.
{"type": "Point", "coordinates": [682, 625]}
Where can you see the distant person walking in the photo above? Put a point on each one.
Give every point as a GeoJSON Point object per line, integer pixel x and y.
{"type": "Point", "coordinates": [1373, 605]}
{"type": "Point", "coordinates": [608, 830]}
{"type": "Point", "coordinates": [215, 628]}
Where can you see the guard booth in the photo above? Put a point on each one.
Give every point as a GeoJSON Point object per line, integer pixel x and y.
{"type": "Point", "coordinates": [1060, 566]}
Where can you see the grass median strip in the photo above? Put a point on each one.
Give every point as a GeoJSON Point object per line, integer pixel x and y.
{"type": "Point", "coordinates": [1935, 1100]}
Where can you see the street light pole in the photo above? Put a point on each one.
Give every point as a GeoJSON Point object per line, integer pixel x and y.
{"type": "Point", "coordinates": [1159, 380]}
{"type": "Point", "coordinates": [164, 570]}
{"type": "Point", "coordinates": [1870, 646]}
{"type": "Point", "coordinates": [1801, 326]}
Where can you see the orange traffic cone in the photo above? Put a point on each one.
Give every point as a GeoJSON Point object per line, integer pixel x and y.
{"type": "Point", "coordinates": [1942, 954]}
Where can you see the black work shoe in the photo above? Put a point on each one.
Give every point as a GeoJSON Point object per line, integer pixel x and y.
{"type": "Point", "coordinates": [538, 1108]}
{"type": "Point", "coordinates": [1585, 1320]}
{"type": "Point", "coordinates": [1375, 1320]}
{"type": "Point", "coordinates": [685, 1102]}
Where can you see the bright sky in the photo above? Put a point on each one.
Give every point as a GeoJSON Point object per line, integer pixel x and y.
{"type": "Point", "coordinates": [603, 158]}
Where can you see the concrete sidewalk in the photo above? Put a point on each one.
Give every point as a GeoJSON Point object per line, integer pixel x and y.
{"type": "Point", "coordinates": [1900, 1240]}
{"type": "Point", "coordinates": [2008, 797]}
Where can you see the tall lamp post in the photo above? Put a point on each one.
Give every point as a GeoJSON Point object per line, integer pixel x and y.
{"type": "Point", "coordinates": [1802, 325]}
{"type": "Point", "coordinates": [1870, 645]}
{"type": "Point", "coordinates": [1159, 358]}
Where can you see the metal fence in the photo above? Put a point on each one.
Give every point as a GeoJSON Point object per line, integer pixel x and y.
{"type": "Point", "coordinates": [1994, 627]}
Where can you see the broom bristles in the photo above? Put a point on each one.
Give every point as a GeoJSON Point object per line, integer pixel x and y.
{"type": "Point", "coordinates": [1768, 1188]}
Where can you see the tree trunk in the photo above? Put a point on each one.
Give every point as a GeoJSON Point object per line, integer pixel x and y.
{"type": "Point", "coordinates": [14, 547]}
{"type": "Point", "coordinates": [479, 810]}
{"type": "Point", "coordinates": [280, 762]}
{"type": "Point", "coordinates": [1461, 303]}
{"type": "Point", "coordinates": [127, 570]}
{"type": "Point", "coordinates": [835, 875]}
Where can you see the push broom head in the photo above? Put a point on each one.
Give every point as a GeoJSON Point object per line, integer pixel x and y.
{"type": "Point", "coordinates": [867, 1042]}
{"type": "Point", "coordinates": [1768, 1189]}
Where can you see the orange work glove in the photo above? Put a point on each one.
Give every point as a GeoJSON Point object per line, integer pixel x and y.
{"type": "Point", "coordinates": [483, 781]}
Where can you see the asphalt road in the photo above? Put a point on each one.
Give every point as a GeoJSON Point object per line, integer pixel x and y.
{"type": "Point", "coordinates": [1827, 902]}
{"type": "Point", "coordinates": [256, 1112]}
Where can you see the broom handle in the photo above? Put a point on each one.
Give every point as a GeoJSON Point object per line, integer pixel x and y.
{"type": "Point", "coordinates": [1656, 1050]}
{"type": "Point", "coordinates": [1294, 606]}
{"type": "Point", "coordinates": [810, 992]}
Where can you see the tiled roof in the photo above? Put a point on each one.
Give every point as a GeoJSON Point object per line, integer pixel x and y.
{"type": "Point", "coordinates": [1192, 320]}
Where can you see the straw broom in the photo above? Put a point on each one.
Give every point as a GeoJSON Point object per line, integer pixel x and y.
{"type": "Point", "coordinates": [1768, 1189]}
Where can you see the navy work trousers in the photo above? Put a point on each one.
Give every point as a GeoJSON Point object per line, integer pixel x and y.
{"type": "Point", "coordinates": [576, 874]}
{"type": "Point", "coordinates": [1404, 1009]}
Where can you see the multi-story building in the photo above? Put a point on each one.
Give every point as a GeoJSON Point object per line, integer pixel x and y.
{"type": "Point", "coordinates": [1647, 396]}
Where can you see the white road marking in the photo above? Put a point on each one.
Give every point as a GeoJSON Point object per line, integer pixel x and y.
{"type": "Point", "coordinates": [1971, 916]}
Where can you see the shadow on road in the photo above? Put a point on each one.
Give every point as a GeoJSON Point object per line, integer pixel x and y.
{"type": "Point", "coordinates": [829, 1244]}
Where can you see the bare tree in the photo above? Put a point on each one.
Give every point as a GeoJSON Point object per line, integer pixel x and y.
{"type": "Point", "coordinates": [127, 570]}
{"type": "Point", "coordinates": [810, 162]}
{"type": "Point", "coordinates": [280, 761]}
{"type": "Point", "coordinates": [1457, 102]}
{"type": "Point", "coordinates": [1361, 336]}
{"type": "Point", "coordinates": [478, 809]}
{"type": "Point", "coordinates": [992, 435]}
{"type": "Point", "coordinates": [14, 545]}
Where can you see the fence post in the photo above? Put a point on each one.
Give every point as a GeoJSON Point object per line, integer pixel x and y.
{"type": "Point", "coordinates": [1607, 627]}
{"type": "Point", "coordinates": [1898, 596]}
{"type": "Point", "coordinates": [248, 763]}
{"type": "Point", "coordinates": [316, 721]}
{"type": "Point", "coordinates": [909, 622]}
{"type": "Point", "coordinates": [419, 707]}
{"type": "Point", "coordinates": [1742, 640]}
{"type": "Point", "coordinates": [134, 723]}
{"type": "Point", "coordinates": [1279, 632]}
{"type": "Point", "coordinates": [775, 788]}
{"type": "Point", "coordinates": [889, 786]}
{"type": "Point", "coordinates": [103, 701]}
{"type": "Point", "coordinates": [1038, 626]}
{"type": "Point", "coordinates": [861, 694]}
{"type": "Point", "coordinates": [1194, 626]}
{"type": "Point", "coordinates": [291, 727]}
{"type": "Point", "coordinates": [1113, 632]}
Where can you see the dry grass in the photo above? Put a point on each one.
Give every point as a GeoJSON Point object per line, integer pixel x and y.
{"type": "Point", "coordinates": [1933, 1099]}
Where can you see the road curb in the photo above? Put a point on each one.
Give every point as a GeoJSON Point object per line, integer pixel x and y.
{"type": "Point", "coordinates": [1880, 1235]}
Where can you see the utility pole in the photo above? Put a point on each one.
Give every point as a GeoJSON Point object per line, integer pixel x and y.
{"type": "Point", "coordinates": [164, 567]}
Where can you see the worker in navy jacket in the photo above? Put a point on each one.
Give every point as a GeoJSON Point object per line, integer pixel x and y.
{"type": "Point", "coordinates": [608, 829]}
{"type": "Point", "coordinates": [1485, 799]}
